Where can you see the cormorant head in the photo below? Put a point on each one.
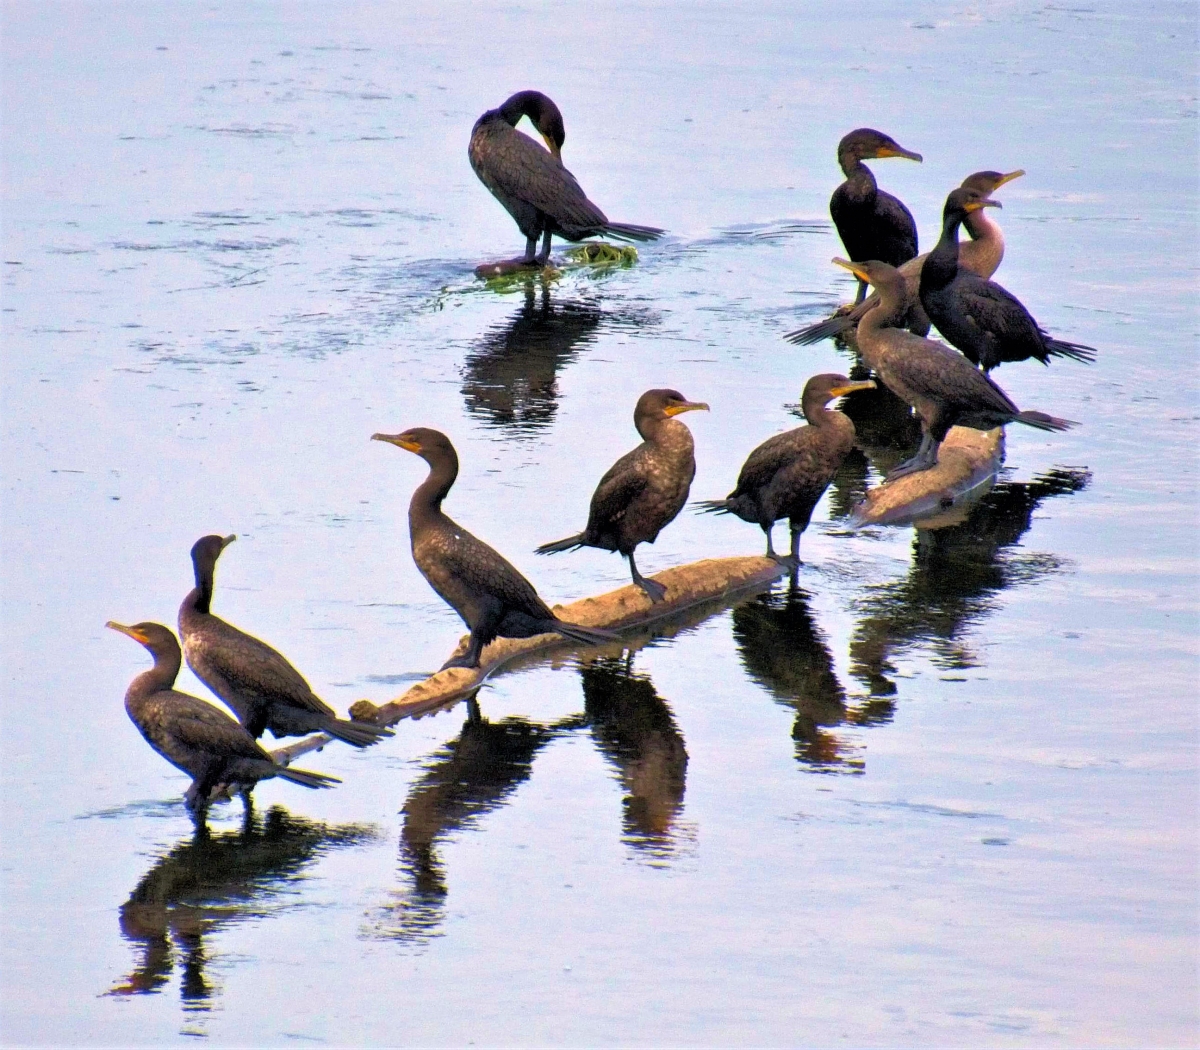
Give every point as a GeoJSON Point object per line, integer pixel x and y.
{"type": "Point", "coordinates": [821, 389]}
{"type": "Point", "coordinates": [659, 404]}
{"type": "Point", "coordinates": [154, 636]}
{"type": "Point", "coordinates": [988, 182]}
{"type": "Point", "coordinates": [431, 445]}
{"type": "Point", "coordinates": [880, 275]}
{"type": "Point", "coordinates": [542, 113]}
{"type": "Point", "coordinates": [962, 201]}
{"type": "Point", "coordinates": [868, 144]}
{"type": "Point", "coordinates": [206, 550]}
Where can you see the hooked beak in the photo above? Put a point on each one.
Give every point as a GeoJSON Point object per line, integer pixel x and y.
{"type": "Point", "coordinates": [846, 264]}
{"type": "Point", "coordinates": [552, 146]}
{"type": "Point", "coordinates": [1009, 177]}
{"type": "Point", "coordinates": [849, 388]}
{"type": "Point", "coordinates": [686, 406]}
{"type": "Point", "coordinates": [987, 202]}
{"type": "Point", "coordinates": [228, 540]}
{"type": "Point", "coordinates": [136, 635]}
{"type": "Point", "coordinates": [402, 440]}
{"type": "Point", "coordinates": [899, 151]}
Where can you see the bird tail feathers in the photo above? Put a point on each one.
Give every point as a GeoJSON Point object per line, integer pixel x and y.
{"type": "Point", "coordinates": [712, 506]}
{"type": "Point", "coordinates": [1075, 351]}
{"type": "Point", "coordinates": [827, 329]}
{"type": "Point", "coordinates": [586, 635]}
{"type": "Point", "coordinates": [569, 544]}
{"type": "Point", "coordinates": [629, 232]}
{"type": "Point", "coordinates": [1041, 421]}
{"type": "Point", "coordinates": [307, 779]}
{"type": "Point", "coordinates": [356, 734]}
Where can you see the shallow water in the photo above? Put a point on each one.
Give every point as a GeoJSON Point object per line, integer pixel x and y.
{"type": "Point", "coordinates": [943, 792]}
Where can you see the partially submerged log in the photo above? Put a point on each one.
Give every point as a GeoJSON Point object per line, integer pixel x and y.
{"type": "Point", "coordinates": [966, 469]}
{"type": "Point", "coordinates": [701, 587]}
{"type": "Point", "coordinates": [589, 253]}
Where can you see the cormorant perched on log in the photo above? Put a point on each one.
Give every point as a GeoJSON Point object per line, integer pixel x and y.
{"type": "Point", "coordinates": [258, 684]}
{"type": "Point", "coordinates": [191, 734]}
{"type": "Point", "coordinates": [645, 489]}
{"type": "Point", "coordinates": [982, 255]}
{"type": "Point", "coordinates": [787, 474]}
{"type": "Point", "coordinates": [985, 321]}
{"type": "Point", "coordinates": [532, 184]}
{"type": "Point", "coordinates": [872, 224]}
{"type": "Point", "coordinates": [491, 596]}
{"type": "Point", "coordinates": [942, 386]}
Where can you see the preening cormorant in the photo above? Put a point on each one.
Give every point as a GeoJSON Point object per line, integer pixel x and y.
{"type": "Point", "coordinates": [645, 489]}
{"type": "Point", "coordinates": [258, 684]}
{"type": "Point", "coordinates": [491, 596]}
{"type": "Point", "coordinates": [941, 385]}
{"type": "Point", "coordinates": [787, 474]}
{"type": "Point", "coordinates": [191, 734]}
{"type": "Point", "coordinates": [532, 184]}
{"type": "Point", "coordinates": [985, 321]}
{"type": "Point", "coordinates": [872, 224]}
{"type": "Point", "coordinates": [982, 255]}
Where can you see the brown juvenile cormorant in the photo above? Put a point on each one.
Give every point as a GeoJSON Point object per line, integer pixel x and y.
{"type": "Point", "coordinates": [942, 386]}
{"type": "Point", "coordinates": [872, 224]}
{"type": "Point", "coordinates": [645, 489]}
{"type": "Point", "coordinates": [491, 596]}
{"type": "Point", "coordinates": [787, 474]}
{"type": "Point", "coordinates": [985, 321]}
{"type": "Point", "coordinates": [259, 685]}
{"type": "Point", "coordinates": [532, 184]}
{"type": "Point", "coordinates": [193, 735]}
{"type": "Point", "coordinates": [982, 255]}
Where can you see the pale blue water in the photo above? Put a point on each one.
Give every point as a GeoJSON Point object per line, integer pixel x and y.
{"type": "Point", "coordinates": [944, 795]}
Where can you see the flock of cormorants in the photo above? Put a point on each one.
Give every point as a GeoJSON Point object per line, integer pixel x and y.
{"type": "Point", "coordinates": [783, 478]}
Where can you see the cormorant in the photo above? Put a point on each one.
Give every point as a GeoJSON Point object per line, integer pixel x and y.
{"type": "Point", "coordinates": [193, 735]}
{"type": "Point", "coordinates": [985, 321]}
{"type": "Point", "coordinates": [532, 184]}
{"type": "Point", "coordinates": [259, 685]}
{"type": "Point", "coordinates": [872, 224]}
{"type": "Point", "coordinates": [982, 255]}
{"type": "Point", "coordinates": [787, 474]}
{"type": "Point", "coordinates": [942, 386]}
{"type": "Point", "coordinates": [645, 489]}
{"type": "Point", "coordinates": [491, 596]}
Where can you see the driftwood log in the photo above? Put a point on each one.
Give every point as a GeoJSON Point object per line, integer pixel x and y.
{"type": "Point", "coordinates": [942, 495]}
{"type": "Point", "coordinates": [694, 592]}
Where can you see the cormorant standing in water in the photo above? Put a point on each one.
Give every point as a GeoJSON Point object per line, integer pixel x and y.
{"type": "Point", "coordinates": [645, 489]}
{"type": "Point", "coordinates": [259, 685]}
{"type": "Point", "coordinates": [193, 735]}
{"type": "Point", "coordinates": [787, 474]}
{"type": "Point", "coordinates": [985, 321]}
{"type": "Point", "coordinates": [532, 184]}
{"type": "Point", "coordinates": [942, 386]}
{"type": "Point", "coordinates": [491, 596]}
{"type": "Point", "coordinates": [872, 224]}
{"type": "Point", "coordinates": [982, 255]}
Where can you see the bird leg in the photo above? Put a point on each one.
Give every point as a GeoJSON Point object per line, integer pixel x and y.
{"type": "Point", "coordinates": [530, 249]}
{"type": "Point", "coordinates": [655, 591]}
{"type": "Point", "coordinates": [768, 529]}
{"type": "Point", "coordinates": [544, 254]}
{"type": "Point", "coordinates": [925, 458]}
{"type": "Point", "coordinates": [483, 630]}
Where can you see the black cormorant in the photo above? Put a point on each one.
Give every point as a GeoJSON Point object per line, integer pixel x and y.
{"type": "Point", "coordinates": [532, 184]}
{"type": "Point", "coordinates": [645, 489]}
{"type": "Point", "coordinates": [872, 224]}
{"type": "Point", "coordinates": [942, 386]}
{"type": "Point", "coordinates": [982, 255]}
{"type": "Point", "coordinates": [258, 684]}
{"type": "Point", "coordinates": [191, 734]}
{"type": "Point", "coordinates": [491, 596]}
{"type": "Point", "coordinates": [985, 321]}
{"type": "Point", "coordinates": [787, 474]}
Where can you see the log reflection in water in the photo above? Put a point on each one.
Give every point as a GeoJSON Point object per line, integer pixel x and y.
{"type": "Point", "coordinates": [635, 730]}
{"type": "Point", "coordinates": [210, 880]}
{"type": "Point", "coordinates": [955, 577]}
{"type": "Point", "coordinates": [784, 651]}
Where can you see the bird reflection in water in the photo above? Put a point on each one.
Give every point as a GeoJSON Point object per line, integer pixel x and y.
{"type": "Point", "coordinates": [467, 778]}
{"type": "Point", "coordinates": [634, 729]}
{"type": "Point", "coordinates": [211, 880]}
{"type": "Point", "coordinates": [510, 379]}
{"type": "Point", "coordinates": [784, 651]}
{"type": "Point", "coordinates": [956, 574]}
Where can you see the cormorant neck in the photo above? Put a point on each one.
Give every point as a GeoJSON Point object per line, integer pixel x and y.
{"type": "Point", "coordinates": [858, 175]}
{"type": "Point", "coordinates": [426, 502]}
{"type": "Point", "coordinates": [201, 596]}
{"type": "Point", "coordinates": [942, 264]}
{"type": "Point", "coordinates": [652, 427]}
{"type": "Point", "coordinates": [160, 677]}
{"type": "Point", "coordinates": [888, 312]}
{"type": "Point", "coordinates": [817, 411]}
{"type": "Point", "coordinates": [980, 227]}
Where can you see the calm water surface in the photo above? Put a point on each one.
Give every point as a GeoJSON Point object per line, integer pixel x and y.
{"type": "Point", "coordinates": [943, 791]}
